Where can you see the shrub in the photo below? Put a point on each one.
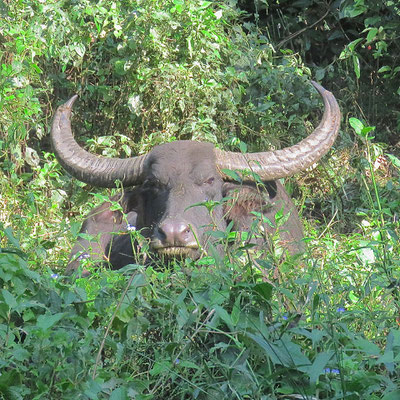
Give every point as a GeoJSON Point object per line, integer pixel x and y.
{"type": "Point", "coordinates": [254, 325]}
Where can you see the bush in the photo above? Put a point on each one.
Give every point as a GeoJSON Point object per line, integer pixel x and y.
{"type": "Point", "coordinates": [351, 44]}
{"type": "Point", "coordinates": [234, 330]}
{"type": "Point", "coordinates": [253, 326]}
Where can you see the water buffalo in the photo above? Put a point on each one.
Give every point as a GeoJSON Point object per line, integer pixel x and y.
{"type": "Point", "coordinates": [172, 177]}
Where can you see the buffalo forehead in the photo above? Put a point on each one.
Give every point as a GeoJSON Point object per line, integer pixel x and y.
{"type": "Point", "coordinates": [181, 159]}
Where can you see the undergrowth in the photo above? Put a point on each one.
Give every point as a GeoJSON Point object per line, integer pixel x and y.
{"type": "Point", "coordinates": [251, 326]}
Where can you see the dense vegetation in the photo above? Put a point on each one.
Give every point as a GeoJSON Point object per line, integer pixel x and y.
{"type": "Point", "coordinates": [235, 73]}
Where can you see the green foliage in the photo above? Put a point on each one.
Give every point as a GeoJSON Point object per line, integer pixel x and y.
{"type": "Point", "coordinates": [232, 331]}
{"type": "Point", "coordinates": [351, 43]}
{"type": "Point", "coordinates": [250, 325]}
{"type": "Point", "coordinates": [154, 71]}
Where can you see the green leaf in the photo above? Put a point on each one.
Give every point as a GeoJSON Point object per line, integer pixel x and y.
{"type": "Point", "coordinates": [9, 298]}
{"type": "Point", "coordinates": [264, 289]}
{"type": "Point", "coordinates": [216, 234]}
{"type": "Point", "coordinates": [283, 352]}
{"type": "Point", "coordinates": [205, 261]}
{"type": "Point", "coordinates": [371, 34]}
{"type": "Point", "coordinates": [268, 348]}
{"type": "Point", "coordinates": [10, 236]}
{"type": "Point", "coordinates": [395, 161]}
{"type": "Point", "coordinates": [367, 347]}
{"type": "Point", "coordinates": [372, 21]}
{"type": "Point", "coordinates": [356, 124]}
{"type": "Point", "coordinates": [189, 364]}
{"type": "Point", "coordinates": [394, 337]}
{"type": "Point", "coordinates": [46, 321]}
{"type": "Point", "coordinates": [356, 64]}
{"type": "Point", "coordinates": [205, 4]}
{"type": "Point", "coordinates": [20, 354]}
{"type": "Point", "coordinates": [120, 67]}
{"type": "Point", "coordinates": [119, 394]}
{"type": "Point", "coordinates": [395, 395]}
{"type": "Point", "coordinates": [235, 314]}
{"type": "Point", "coordinates": [243, 147]}
{"type": "Point", "coordinates": [385, 68]}
{"type": "Point", "coordinates": [353, 297]}
{"type": "Point", "coordinates": [317, 368]}
{"type": "Point", "coordinates": [232, 174]}
{"type": "Point", "coordinates": [354, 9]}
{"type": "Point", "coordinates": [93, 390]}
{"type": "Point", "coordinates": [160, 367]}
{"type": "Point", "coordinates": [224, 316]}
{"type": "Point", "coordinates": [10, 378]}
{"type": "Point", "coordinates": [19, 45]}
{"type": "Point", "coordinates": [182, 317]}
{"type": "Point", "coordinates": [353, 44]}
{"type": "Point", "coordinates": [320, 74]}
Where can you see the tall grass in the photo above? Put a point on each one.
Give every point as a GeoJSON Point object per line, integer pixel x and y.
{"type": "Point", "coordinates": [253, 326]}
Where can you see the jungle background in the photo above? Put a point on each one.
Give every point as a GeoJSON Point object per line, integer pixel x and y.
{"type": "Point", "coordinates": [235, 73]}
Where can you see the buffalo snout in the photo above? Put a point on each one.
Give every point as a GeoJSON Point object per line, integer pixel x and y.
{"type": "Point", "coordinates": [174, 237]}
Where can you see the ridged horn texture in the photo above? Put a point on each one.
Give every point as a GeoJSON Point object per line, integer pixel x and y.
{"type": "Point", "coordinates": [270, 165]}
{"type": "Point", "coordinates": [87, 167]}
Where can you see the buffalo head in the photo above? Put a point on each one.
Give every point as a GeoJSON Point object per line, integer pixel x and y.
{"type": "Point", "coordinates": [174, 176]}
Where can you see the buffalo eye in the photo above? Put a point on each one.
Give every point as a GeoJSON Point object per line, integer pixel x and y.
{"type": "Point", "coordinates": [209, 181]}
{"type": "Point", "coordinates": [208, 188]}
{"type": "Point", "coordinates": [152, 184]}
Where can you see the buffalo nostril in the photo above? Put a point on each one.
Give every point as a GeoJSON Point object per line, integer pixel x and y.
{"type": "Point", "coordinates": [175, 233]}
{"type": "Point", "coordinates": [160, 233]}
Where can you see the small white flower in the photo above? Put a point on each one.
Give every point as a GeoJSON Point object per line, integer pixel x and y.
{"type": "Point", "coordinates": [130, 228]}
{"type": "Point", "coordinates": [218, 14]}
{"type": "Point", "coordinates": [83, 256]}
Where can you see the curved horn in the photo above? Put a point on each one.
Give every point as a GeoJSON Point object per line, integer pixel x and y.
{"type": "Point", "coordinates": [89, 168]}
{"type": "Point", "coordinates": [270, 165]}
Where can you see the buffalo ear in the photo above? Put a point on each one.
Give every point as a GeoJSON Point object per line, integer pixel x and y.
{"type": "Point", "coordinates": [241, 201]}
{"type": "Point", "coordinates": [270, 200]}
{"type": "Point", "coordinates": [103, 216]}
{"type": "Point", "coordinates": [268, 190]}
